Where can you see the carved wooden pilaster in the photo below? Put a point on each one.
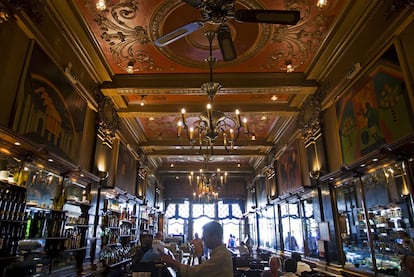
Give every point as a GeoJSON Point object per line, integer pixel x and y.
{"type": "Point", "coordinates": [309, 117]}
{"type": "Point", "coordinates": [108, 120]}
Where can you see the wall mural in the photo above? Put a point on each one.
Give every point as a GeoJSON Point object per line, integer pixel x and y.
{"type": "Point", "coordinates": [289, 177]}
{"type": "Point", "coordinates": [48, 110]}
{"type": "Point", "coordinates": [376, 112]}
{"type": "Point", "coordinates": [126, 170]}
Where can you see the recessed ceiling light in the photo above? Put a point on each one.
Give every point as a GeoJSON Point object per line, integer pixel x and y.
{"type": "Point", "coordinates": [321, 3]}
{"type": "Point", "coordinates": [151, 118]}
{"type": "Point", "coordinates": [50, 160]}
{"type": "Point", "coordinates": [375, 160]}
{"type": "Point", "coordinates": [101, 5]}
{"type": "Point", "coordinates": [17, 143]}
{"type": "Point", "coordinates": [362, 165]}
{"type": "Point", "coordinates": [274, 98]}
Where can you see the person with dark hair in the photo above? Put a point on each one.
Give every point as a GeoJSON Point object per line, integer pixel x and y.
{"type": "Point", "coordinates": [232, 242]}
{"type": "Point", "coordinates": [146, 258]}
{"type": "Point", "coordinates": [290, 268]}
{"type": "Point", "coordinates": [249, 243]}
{"type": "Point", "coordinates": [290, 242]}
{"type": "Point", "coordinates": [243, 250]}
{"type": "Point", "coordinates": [301, 266]}
{"type": "Point", "coordinates": [407, 242]}
{"type": "Point", "coordinates": [219, 264]}
{"type": "Point", "coordinates": [197, 244]}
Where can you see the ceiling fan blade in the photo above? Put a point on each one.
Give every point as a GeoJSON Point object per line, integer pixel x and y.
{"type": "Point", "coordinates": [178, 33]}
{"type": "Point", "coordinates": [195, 3]}
{"type": "Point", "coordinates": [269, 16]}
{"type": "Point", "coordinates": [226, 43]}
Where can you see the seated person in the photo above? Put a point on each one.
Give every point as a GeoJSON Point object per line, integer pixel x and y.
{"type": "Point", "coordinates": [274, 265]}
{"type": "Point", "coordinates": [290, 268]}
{"type": "Point", "coordinates": [243, 250]}
{"type": "Point", "coordinates": [301, 266]}
{"type": "Point", "coordinates": [146, 258]}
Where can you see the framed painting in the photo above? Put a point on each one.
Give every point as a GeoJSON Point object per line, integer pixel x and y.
{"type": "Point", "coordinates": [126, 171]}
{"type": "Point", "coordinates": [377, 111]}
{"type": "Point", "coordinates": [48, 110]}
{"type": "Point", "coordinates": [289, 171]}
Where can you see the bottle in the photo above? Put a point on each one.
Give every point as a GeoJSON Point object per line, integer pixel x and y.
{"type": "Point", "coordinates": [84, 198]}
{"type": "Point", "coordinates": [28, 225]}
{"type": "Point", "coordinates": [6, 203]}
{"type": "Point", "coordinates": [2, 238]}
{"type": "Point", "coordinates": [1, 201]}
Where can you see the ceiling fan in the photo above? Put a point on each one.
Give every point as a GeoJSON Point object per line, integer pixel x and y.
{"type": "Point", "coordinates": [219, 12]}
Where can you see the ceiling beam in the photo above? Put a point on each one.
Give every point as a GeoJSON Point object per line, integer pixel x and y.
{"type": "Point", "coordinates": [217, 152]}
{"type": "Point", "coordinates": [295, 81]}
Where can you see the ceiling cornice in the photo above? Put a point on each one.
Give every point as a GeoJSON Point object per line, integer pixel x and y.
{"type": "Point", "coordinates": [191, 108]}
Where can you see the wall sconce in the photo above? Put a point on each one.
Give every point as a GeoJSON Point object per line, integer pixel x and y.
{"type": "Point", "coordinates": [315, 174]}
{"type": "Point", "coordinates": [103, 175]}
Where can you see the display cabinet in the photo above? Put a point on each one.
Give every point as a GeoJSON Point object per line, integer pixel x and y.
{"type": "Point", "coordinates": [76, 207]}
{"type": "Point", "coordinates": [50, 220]}
{"type": "Point", "coordinates": [12, 216]}
{"type": "Point", "coordinates": [369, 232]}
{"type": "Point", "coordinates": [148, 220]}
{"type": "Point", "coordinates": [118, 229]}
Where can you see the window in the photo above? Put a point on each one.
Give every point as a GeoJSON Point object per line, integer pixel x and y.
{"type": "Point", "coordinates": [292, 227]}
{"type": "Point", "coordinates": [229, 216]}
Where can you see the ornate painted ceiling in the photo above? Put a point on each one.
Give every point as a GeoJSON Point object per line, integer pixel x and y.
{"type": "Point", "coordinates": [166, 79]}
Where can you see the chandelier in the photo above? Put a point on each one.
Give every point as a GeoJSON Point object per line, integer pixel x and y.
{"type": "Point", "coordinates": [211, 125]}
{"type": "Point", "coordinates": [206, 185]}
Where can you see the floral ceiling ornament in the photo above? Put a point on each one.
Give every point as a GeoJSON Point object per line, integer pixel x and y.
{"type": "Point", "coordinates": [124, 40]}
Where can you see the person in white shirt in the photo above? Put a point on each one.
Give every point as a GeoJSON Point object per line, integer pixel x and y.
{"type": "Point", "coordinates": [243, 250]}
{"type": "Point", "coordinates": [301, 266]}
{"type": "Point", "coordinates": [219, 264]}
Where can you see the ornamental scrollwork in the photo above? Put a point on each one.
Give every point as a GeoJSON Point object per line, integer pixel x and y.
{"type": "Point", "coordinates": [108, 120]}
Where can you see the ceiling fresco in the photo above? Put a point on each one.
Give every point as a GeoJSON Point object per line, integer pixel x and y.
{"type": "Point", "coordinates": [166, 79]}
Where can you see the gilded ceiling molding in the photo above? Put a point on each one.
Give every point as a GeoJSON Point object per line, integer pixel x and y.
{"type": "Point", "coordinates": [134, 129]}
{"type": "Point", "coordinates": [197, 91]}
{"type": "Point", "coordinates": [296, 44]}
{"type": "Point", "coordinates": [124, 40]}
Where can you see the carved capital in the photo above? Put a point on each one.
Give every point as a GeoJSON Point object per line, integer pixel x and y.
{"type": "Point", "coordinates": [309, 117]}
{"type": "Point", "coordinates": [108, 120]}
